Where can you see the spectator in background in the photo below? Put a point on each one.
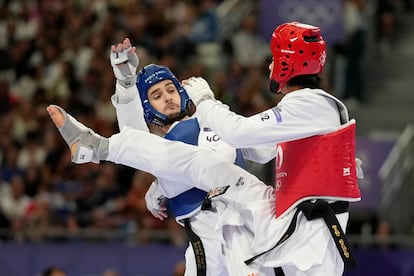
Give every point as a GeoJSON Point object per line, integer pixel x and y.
{"type": "Point", "coordinates": [100, 203]}
{"type": "Point", "coordinates": [110, 272]}
{"type": "Point", "coordinates": [219, 82]}
{"type": "Point", "coordinates": [4, 221]}
{"type": "Point", "coordinates": [393, 221]}
{"type": "Point", "coordinates": [179, 269]}
{"type": "Point", "coordinates": [16, 206]}
{"type": "Point", "coordinates": [204, 26]}
{"type": "Point", "coordinates": [7, 100]}
{"type": "Point", "coordinates": [25, 121]}
{"type": "Point", "coordinates": [32, 153]}
{"type": "Point", "coordinates": [249, 48]}
{"type": "Point", "coordinates": [9, 165]}
{"type": "Point", "coordinates": [386, 19]}
{"type": "Point", "coordinates": [355, 46]}
{"type": "Point", "coordinates": [53, 271]}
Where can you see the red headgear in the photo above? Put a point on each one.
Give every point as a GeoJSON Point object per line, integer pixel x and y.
{"type": "Point", "coordinates": [297, 49]}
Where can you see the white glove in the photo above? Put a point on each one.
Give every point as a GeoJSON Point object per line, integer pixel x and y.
{"type": "Point", "coordinates": [156, 201]}
{"type": "Point", "coordinates": [198, 89]}
{"type": "Point", "coordinates": [124, 63]}
{"type": "Point", "coordinates": [359, 171]}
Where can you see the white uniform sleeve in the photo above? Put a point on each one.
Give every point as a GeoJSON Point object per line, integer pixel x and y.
{"type": "Point", "coordinates": [258, 154]}
{"type": "Point", "coordinates": [262, 154]}
{"type": "Point", "coordinates": [300, 114]}
{"type": "Point", "coordinates": [129, 114]}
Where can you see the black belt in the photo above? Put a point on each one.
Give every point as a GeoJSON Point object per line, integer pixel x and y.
{"type": "Point", "coordinates": [198, 248]}
{"type": "Point", "coordinates": [327, 211]}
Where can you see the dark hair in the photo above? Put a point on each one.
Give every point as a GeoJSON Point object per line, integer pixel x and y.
{"type": "Point", "coordinates": [48, 271]}
{"type": "Point", "coordinates": [305, 81]}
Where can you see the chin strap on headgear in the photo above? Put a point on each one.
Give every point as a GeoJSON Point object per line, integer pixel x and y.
{"type": "Point", "coordinates": [274, 86]}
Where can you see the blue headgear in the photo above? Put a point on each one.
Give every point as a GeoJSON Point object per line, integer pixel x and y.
{"type": "Point", "coordinates": [147, 77]}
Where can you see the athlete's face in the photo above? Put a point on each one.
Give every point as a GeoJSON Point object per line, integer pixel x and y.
{"type": "Point", "coordinates": [164, 98]}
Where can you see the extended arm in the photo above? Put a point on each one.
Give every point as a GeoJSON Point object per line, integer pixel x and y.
{"type": "Point", "coordinates": [305, 114]}
{"type": "Point", "coordinates": [126, 99]}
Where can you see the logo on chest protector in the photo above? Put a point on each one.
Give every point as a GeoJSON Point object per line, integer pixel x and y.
{"type": "Point", "coordinates": [279, 163]}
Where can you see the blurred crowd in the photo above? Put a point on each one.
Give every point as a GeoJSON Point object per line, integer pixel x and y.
{"type": "Point", "coordinates": [57, 52]}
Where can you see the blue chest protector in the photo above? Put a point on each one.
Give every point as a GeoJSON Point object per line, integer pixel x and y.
{"type": "Point", "coordinates": [187, 131]}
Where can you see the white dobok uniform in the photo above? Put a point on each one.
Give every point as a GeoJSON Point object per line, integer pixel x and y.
{"type": "Point", "coordinates": [185, 197]}
{"type": "Point", "coordinates": [300, 114]}
{"type": "Point", "coordinates": [246, 208]}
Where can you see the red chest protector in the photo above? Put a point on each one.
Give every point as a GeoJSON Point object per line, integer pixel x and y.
{"type": "Point", "coordinates": [321, 166]}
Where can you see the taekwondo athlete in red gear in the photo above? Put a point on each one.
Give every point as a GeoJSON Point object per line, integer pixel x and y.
{"type": "Point", "coordinates": [315, 148]}
{"type": "Point", "coordinates": [162, 101]}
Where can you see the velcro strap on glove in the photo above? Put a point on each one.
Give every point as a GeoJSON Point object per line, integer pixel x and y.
{"type": "Point", "coordinates": [128, 82]}
{"type": "Point", "coordinates": [91, 147]}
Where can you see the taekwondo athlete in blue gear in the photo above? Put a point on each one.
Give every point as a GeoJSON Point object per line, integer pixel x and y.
{"type": "Point", "coordinates": [186, 130]}
{"type": "Point", "coordinates": [205, 247]}
{"type": "Point", "coordinates": [164, 102]}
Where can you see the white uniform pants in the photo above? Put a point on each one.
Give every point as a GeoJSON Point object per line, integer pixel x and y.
{"type": "Point", "coordinates": [203, 225]}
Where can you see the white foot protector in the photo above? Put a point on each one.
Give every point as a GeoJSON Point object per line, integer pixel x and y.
{"type": "Point", "coordinates": [91, 147]}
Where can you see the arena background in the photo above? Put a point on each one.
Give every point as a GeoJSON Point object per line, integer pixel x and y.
{"type": "Point", "coordinates": [92, 219]}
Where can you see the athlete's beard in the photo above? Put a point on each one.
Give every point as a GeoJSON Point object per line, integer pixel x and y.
{"type": "Point", "coordinates": [174, 115]}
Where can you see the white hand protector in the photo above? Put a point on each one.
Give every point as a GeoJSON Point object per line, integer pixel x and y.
{"type": "Point", "coordinates": [198, 89]}
{"type": "Point", "coordinates": [359, 171]}
{"type": "Point", "coordinates": [124, 63]}
{"type": "Point", "coordinates": [156, 201]}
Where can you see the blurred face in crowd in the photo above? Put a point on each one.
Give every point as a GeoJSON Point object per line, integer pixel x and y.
{"type": "Point", "coordinates": [164, 98]}
{"type": "Point", "coordinates": [58, 273]}
{"type": "Point", "coordinates": [54, 272]}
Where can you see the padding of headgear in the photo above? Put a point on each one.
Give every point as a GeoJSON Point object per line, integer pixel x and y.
{"type": "Point", "coordinates": [297, 49]}
{"type": "Point", "coordinates": [153, 74]}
